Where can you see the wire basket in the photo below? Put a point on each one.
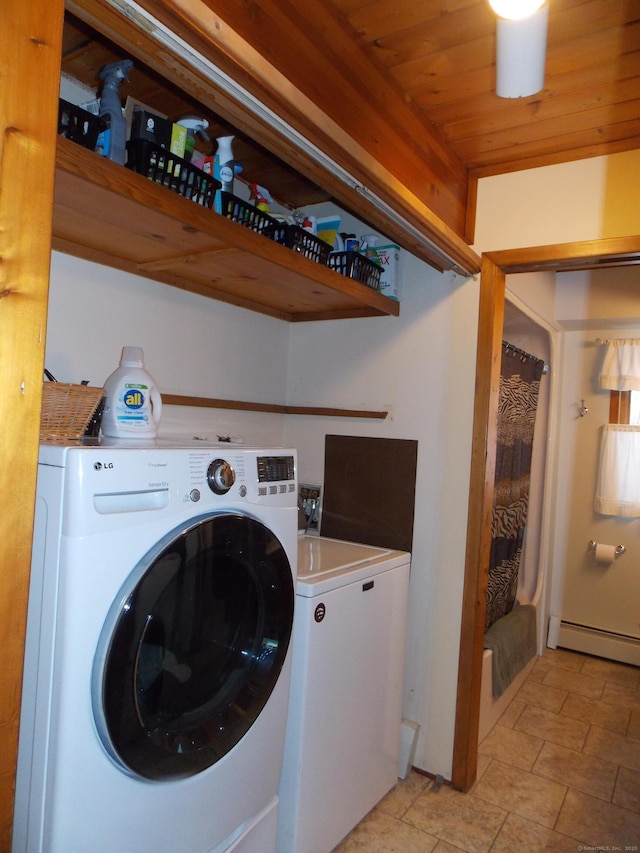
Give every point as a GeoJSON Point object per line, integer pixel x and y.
{"type": "Point", "coordinates": [356, 266]}
{"type": "Point", "coordinates": [252, 217]}
{"type": "Point", "coordinates": [307, 244]}
{"type": "Point", "coordinates": [68, 410]}
{"type": "Point", "coordinates": [78, 125]}
{"type": "Point", "coordinates": [162, 167]}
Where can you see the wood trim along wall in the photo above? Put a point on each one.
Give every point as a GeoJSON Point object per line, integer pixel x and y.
{"type": "Point", "coordinates": [27, 154]}
{"type": "Point", "coordinates": [593, 254]}
{"type": "Point", "coordinates": [273, 408]}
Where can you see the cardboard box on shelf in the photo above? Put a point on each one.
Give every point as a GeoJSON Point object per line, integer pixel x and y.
{"type": "Point", "coordinates": [389, 257]}
{"type": "Point", "coordinates": [178, 140]}
{"type": "Point", "coordinates": [152, 127]}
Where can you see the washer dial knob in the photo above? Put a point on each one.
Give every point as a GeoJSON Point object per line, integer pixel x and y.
{"type": "Point", "coordinates": [220, 476]}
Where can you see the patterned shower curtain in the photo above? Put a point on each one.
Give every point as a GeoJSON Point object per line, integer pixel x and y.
{"type": "Point", "coordinates": [518, 400]}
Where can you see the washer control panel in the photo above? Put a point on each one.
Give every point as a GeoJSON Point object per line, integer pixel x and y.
{"type": "Point", "coordinates": [245, 473]}
{"type": "Point", "coordinates": [220, 476]}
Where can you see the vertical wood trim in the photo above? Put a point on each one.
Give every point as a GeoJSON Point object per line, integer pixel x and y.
{"type": "Point", "coordinates": [483, 459]}
{"type": "Point", "coordinates": [619, 407]}
{"type": "Point", "coordinates": [30, 71]}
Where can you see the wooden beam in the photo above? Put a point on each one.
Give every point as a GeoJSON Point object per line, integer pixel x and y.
{"type": "Point", "coordinates": [29, 70]}
{"type": "Point", "coordinates": [483, 460]}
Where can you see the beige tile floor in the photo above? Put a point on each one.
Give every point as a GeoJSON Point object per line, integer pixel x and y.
{"type": "Point", "coordinates": [560, 771]}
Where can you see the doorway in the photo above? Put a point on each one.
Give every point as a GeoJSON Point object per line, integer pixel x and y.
{"type": "Point", "coordinates": [495, 266]}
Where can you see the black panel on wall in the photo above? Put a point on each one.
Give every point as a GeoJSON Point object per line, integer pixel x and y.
{"type": "Point", "coordinates": [369, 490]}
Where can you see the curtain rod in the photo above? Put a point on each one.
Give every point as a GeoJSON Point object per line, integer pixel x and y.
{"type": "Point", "coordinates": [524, 354]}
{"type": "Point", "coordinates": [604, 341]}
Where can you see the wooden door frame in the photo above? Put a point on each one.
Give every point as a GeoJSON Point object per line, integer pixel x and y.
{"type": "Point", "coordinates": [30, 70]}
{"type": "Point", "coordinates": [623, 251]}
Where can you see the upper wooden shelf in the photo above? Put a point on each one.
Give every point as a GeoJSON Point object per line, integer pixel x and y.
{"type": "Point", "coordinates": [113, 216]}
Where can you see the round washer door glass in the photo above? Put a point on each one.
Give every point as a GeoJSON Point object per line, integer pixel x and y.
{"type": "Point", "coordinates": [192, 653]}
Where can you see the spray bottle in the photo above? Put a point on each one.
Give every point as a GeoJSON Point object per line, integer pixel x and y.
{"type": "Point", "coordinates": [261, 197]}
{"type": "Point", "coordinates": [194, 125]}
{"type": "Point", "coordinates": [114, 139]}
{"type": "Point", "coordinates": [133, 404]}
{"type": "Point", "coordinates": [224, 169]}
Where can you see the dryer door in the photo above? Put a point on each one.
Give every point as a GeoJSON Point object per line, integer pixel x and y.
{"type": "Point", "coordinates": [193, 647]}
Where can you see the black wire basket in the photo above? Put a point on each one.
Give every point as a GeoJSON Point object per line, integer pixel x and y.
{"type": "Point", "coordinates": [356, 266]}
{"type": "Point", "coordinates": [162, 167]}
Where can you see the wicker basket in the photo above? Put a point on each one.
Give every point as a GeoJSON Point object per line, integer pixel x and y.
{"type": "Point", "coordinates": [67, 410]}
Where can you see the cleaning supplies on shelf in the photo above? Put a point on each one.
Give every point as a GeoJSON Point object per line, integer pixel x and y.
{"type": "Point", "coordinates": [112, 141]}
{"type": "Point", "coordinates": [194, 125]}
{"type": "Point", "coordinates": [261, 198]}
{"type": "Point", "coordinates": [368, 243]}
{"type": "Point", "coordinates": [133, 404]}
{"type": "Point", "coordinates": [223, 163]}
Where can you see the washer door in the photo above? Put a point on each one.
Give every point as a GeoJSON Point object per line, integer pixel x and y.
{"type": "Point", "coordinates": [193, 647]}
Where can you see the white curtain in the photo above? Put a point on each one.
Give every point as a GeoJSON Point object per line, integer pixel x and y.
{"type": "Point", "coordinates": [621, 366]}
{"type": "Point", "coordinates": [618, 488]}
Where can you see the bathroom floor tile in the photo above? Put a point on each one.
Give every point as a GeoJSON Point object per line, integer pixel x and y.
{"type": "Point", "coordinates": [554, 727]}
{"type": "Point", "coordinates": [564, 659]}
{"type": "Point", "coordinates": [525, 794]}
{"type": "Point", "coordinates": [597, 823]}
{"type": "Point", "coordinates": [560, 770]}
{"type": "Point", "coordinates": [511, 747]}
{"type": "Point", "coordinates": [575, 682]}
{"type": "Point", "coordinates": [459, 819]}
{"type": "Point", "coordinates": [511, 713]}
{"type": "Point", "coordinates": [623, 697]}
{"type": "Point", "coordinates": [634, 725]}
{"type": "Point", "coordinates": [620, 673]}
{"type": "Point", "coordinates": [381, 833]}
{"type": "Point", "coordinates": [598, 712]}
{"type": "Point", "coordinates": [627, 792]}
{"type": "Point", "coordinates": [483, 762]}
{"type": "Point", "coordinates": [520, 834]}
{"type": "Point", "coordinates": [541, 695]}
{"type": "Point", "coordinates": [583, 772]}
{"type": "Point", "coordinates": [403, 794]}
{"type": "Point", "coordinates": [611, 746]}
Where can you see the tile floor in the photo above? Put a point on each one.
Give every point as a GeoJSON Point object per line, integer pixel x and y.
{"type": "Point", "coordinates": [560, 771]}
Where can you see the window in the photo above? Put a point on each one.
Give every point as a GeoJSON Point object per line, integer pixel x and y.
{"type": "Point", "coordinates": [624, 407]}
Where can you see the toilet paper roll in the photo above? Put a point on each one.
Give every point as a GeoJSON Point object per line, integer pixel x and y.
{"type": "Point", "coordinates": [605, 554]}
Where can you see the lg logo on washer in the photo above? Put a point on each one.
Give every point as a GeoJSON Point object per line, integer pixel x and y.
{"type": "Point", "coordinates": [99, 466]}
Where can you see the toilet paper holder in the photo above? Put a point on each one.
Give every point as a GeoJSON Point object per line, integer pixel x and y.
{"type": "Point", "coordinates": [620, 549]}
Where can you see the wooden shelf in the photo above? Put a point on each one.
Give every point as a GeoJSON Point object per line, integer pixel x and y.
{"type": "Point", "coordinates": [113, 216]}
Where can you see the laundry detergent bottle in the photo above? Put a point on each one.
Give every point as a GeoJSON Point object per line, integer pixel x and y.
{"type": "Point", "coordinates": [133, 404]}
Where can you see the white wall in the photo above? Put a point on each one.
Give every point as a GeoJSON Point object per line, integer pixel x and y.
{"type": "Point", "coordinates": [420, 367]}
{"type": "Point", "coordinates": [584, 200]}
{"type": "Point", "coordinates": [192, 346]}
{"type": "Point", "coordinates": [583, 591]}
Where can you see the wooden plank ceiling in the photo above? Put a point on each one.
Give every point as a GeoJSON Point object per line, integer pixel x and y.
{"type": "Point", "coordinates": [441, 55]}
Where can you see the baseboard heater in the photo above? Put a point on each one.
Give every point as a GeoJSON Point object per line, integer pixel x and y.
{"type": "Point", "coordinates": [593, 641]}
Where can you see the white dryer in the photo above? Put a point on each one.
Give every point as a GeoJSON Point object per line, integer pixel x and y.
{"type": "Point", "coordinates": [157, 661]}
{"type": "Point", "coordinates": [343, 736]}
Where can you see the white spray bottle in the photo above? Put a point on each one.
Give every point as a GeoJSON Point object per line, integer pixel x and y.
{"type": "Point", "coordinates": [133, 404]}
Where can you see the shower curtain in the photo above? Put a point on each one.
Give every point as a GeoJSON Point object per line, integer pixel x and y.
{"type": "Point", "coordinates": [518, 400]}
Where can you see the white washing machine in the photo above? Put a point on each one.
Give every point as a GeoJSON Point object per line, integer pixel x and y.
{"type": "Point", "coordinates": [343, 734]}
{"type": "Point", "coordinates": [157, 660]}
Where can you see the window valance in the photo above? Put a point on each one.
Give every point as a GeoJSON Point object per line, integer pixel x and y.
{"type": "Point", "coordinates": [621, 366]}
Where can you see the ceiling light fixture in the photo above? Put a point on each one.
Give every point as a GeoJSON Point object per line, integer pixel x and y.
{"type": "Point", "coordinates": [521, 46]}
